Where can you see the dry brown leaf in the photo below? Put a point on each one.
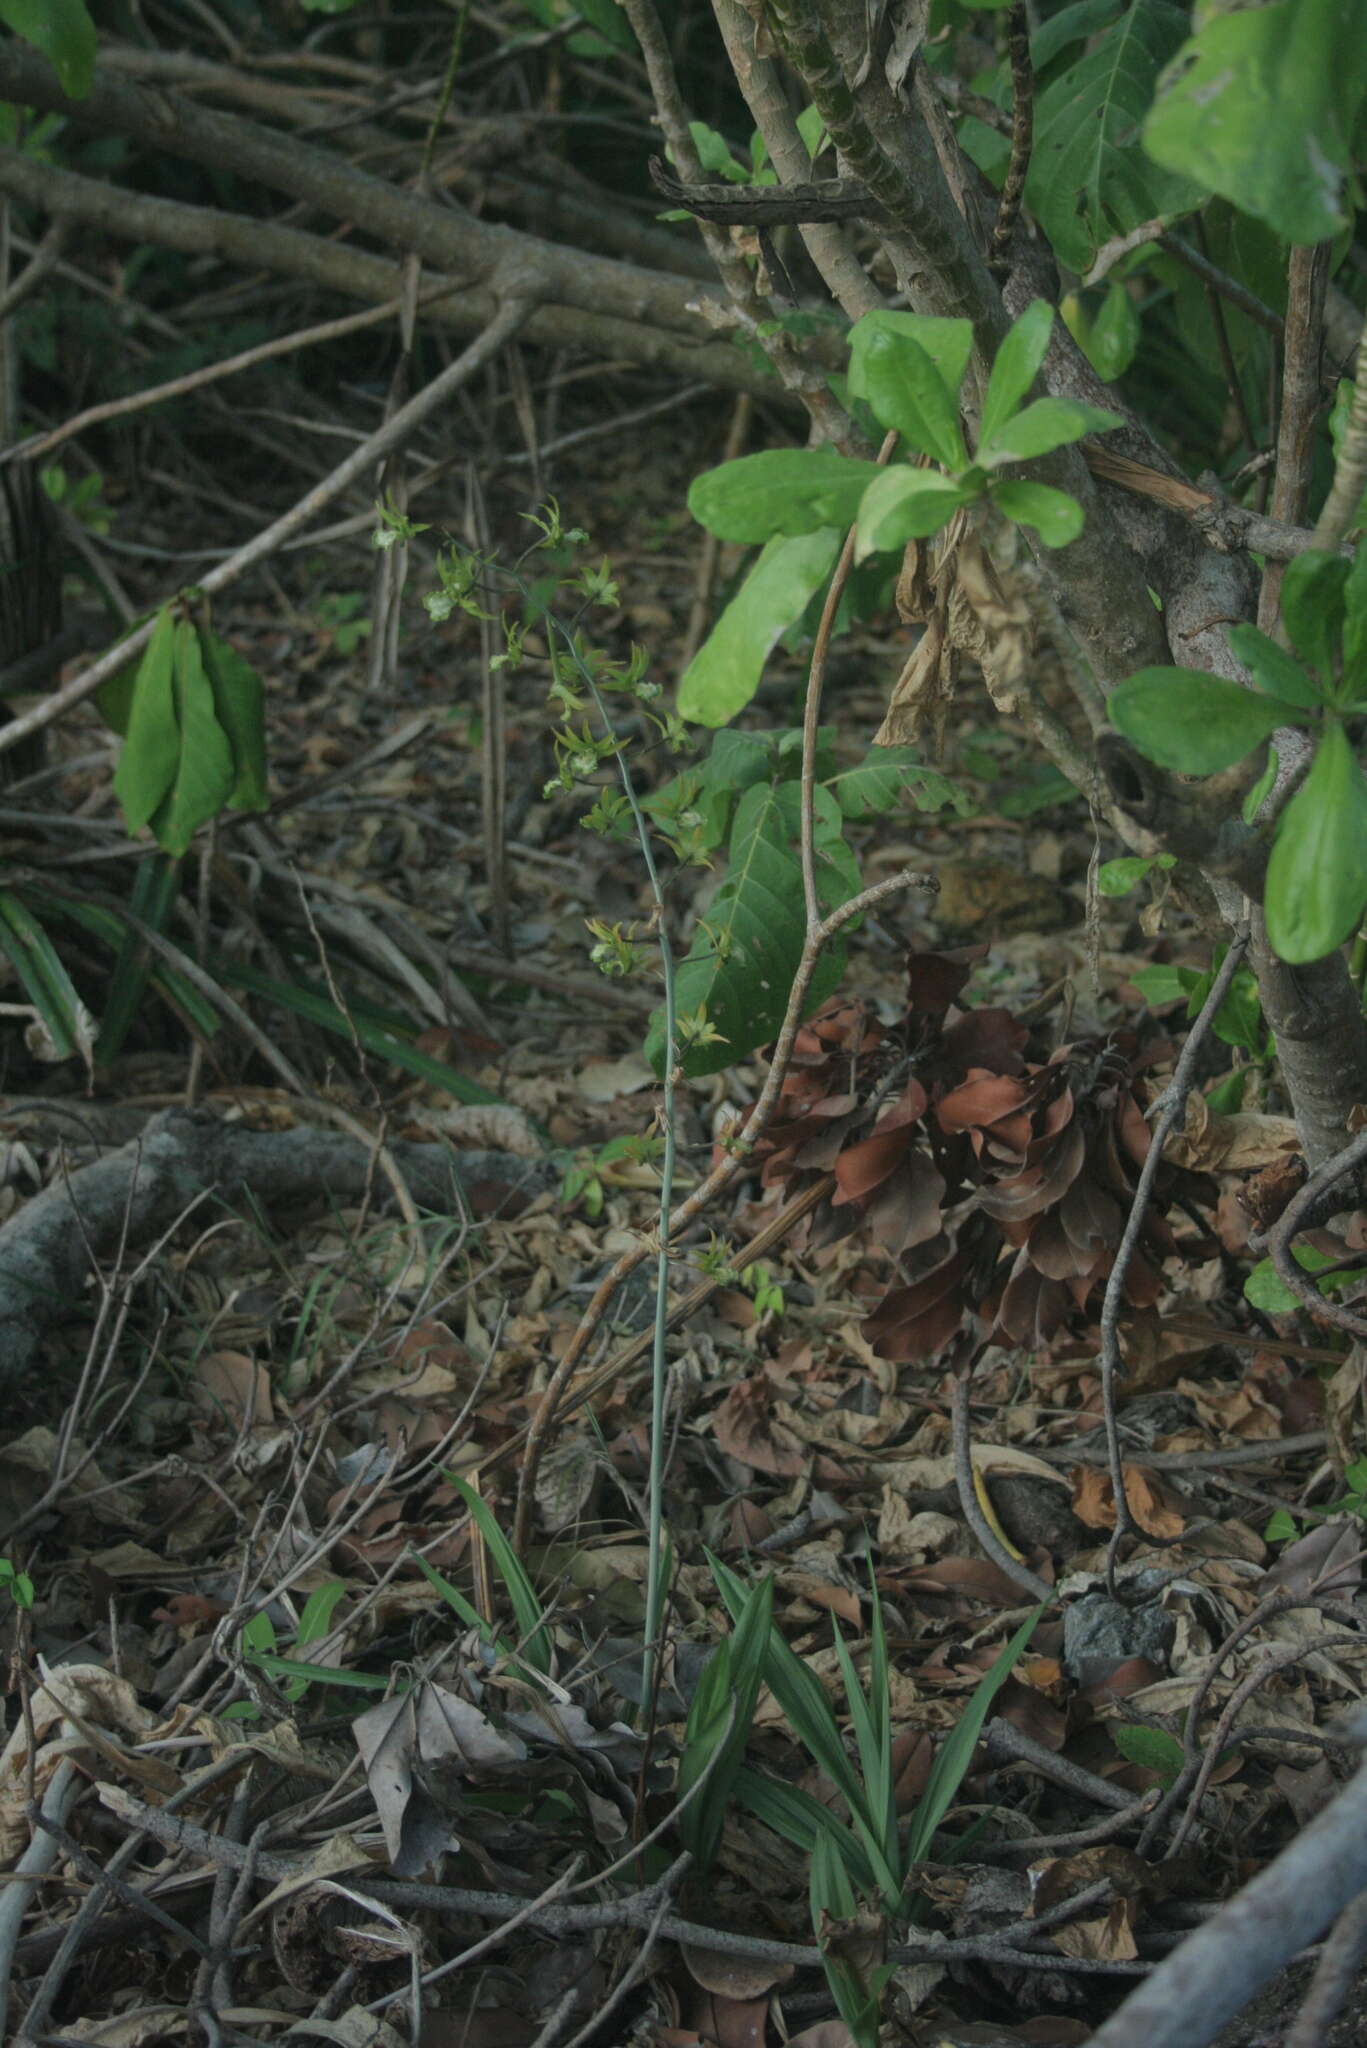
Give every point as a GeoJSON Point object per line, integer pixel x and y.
{"type": "Point", "coordinates": [1094, 1501]}
{"type": "Point", "coordinates": [1210, 1142]}
{"type": "Point", "coordinates": [747, 1430]}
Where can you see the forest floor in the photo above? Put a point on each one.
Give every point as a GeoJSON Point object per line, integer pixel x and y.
{"type": "Point", "coordinates": [237, 1443]}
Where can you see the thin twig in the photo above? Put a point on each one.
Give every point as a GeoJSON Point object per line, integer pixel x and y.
{"type": "Point", "coordinates": [1218, 1968]}
{"type": "Point", "coordinates": [511, 315]}
{"type": "Point", "coordinates": [1174, 1108]}
{"type": "Point", "coordinates": [1309, 1199]}
{"type": "Point", "coordinates": [1022, 131]}
{"type": "Point", "coordinates": [211, 373]}
{"type": "Point", "coordinates": [1014, 1567]}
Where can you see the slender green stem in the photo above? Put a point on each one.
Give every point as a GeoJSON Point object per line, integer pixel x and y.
{"type": "Point", "coordinates": [656, 1572]}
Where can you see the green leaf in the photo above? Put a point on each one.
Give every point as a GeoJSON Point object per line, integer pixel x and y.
{"type": "Point", "coordinates": [1118, 877]}
{"type": "Point", "coordinates": [948, 343]}
{"type": "Point", "coordinates": [801, 1820]}
{"type": "Point", "coordinates": [1160, 985]}
{"type": "Point", "coordinates": [885, 776]}
{"type": "Point", "coordinates": [955, 1753]}
{"type": "Point", "coordinates": [1073, 24]}
{"type": "Point", "coordinates": [1016, 367]}
{"type": "Point", "coordinates": [744, 955]}
{"type": "Point", "coordinates": [240, 707]}
{"type": "Point", "coordinates": [45, 981]}
{"type": "Point", "coordinates": [318, 1610]}
{"type": "Point", "coordinates": [1111, 344]}
{"type": "Point", "coordinates": [361, 1024]}
{"type": "Point", "coordinates": [1317, 874]}
{"type": "Point", "coordinates": [1089, 179]}
{"type": "Point", "coordinates": [464, 1609]}
{"type": "Point", "coordinates": [1281, 1527]}
{"type": "Point", "coordinates": [63, 31]}
{"type": "Point", "coordinates": [725, 672]}
{"type": "Point", "coordinates": [1260, 106]}
{"type": "Point", "coordinates": [892, 371]}
{"type": "Point", "coordinates": [1152, 1748]}
{"type": "Point", "coordinates": [204, 776]}
{"type": "Point", "coordinates": [781, 491]}
{"type": "Point", "coordinates": [714, 154]}
{"type": "Point", "coordinates": [1266, 1289]}
{"type": "Point", "coordinates": [731, 1677]}
{"type": "Point", "coordinates": [1276, 672]}
{"type": "Point", "coordinates": [904, 504]}
{"type": "Point", "coordinates": [1056, 516]}
{"type": "Point", "coordinates": [535, 1648]}
{"type": "Point", "coordinates": [1195, 723]}
{"type": "Point", "coordinates": [317, 1674]}
{"type": "Point", "coordinates": [151, 900]}
{"type": "Point", "coordinates": [1314, 605]}
{"type": "Point", "coordinates": [151, 747]}
{"type": "Point", "coordinates": [1047, 424]}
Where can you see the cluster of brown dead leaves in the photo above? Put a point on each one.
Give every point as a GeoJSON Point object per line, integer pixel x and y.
{"type": "Point", "coordinates": [996, 1179]}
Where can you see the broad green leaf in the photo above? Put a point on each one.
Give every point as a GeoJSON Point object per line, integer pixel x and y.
{"type": "Point", "coordinates": [240, 707]}
{"type": "Point", "coordinates": [1161, 984]}
{"type": "Point", "coordinates": [151, 747]}
{"type": "Point", "coordinates": [1056, 516]}
{"type": "Point", "coordinates": [204, 775]}
{"type": "Point", "coordinates": [1114, 338]}
{"type": "Point", "coordinates": [1089, 178]}
{"type": "Point", "coordinates": [1317, 874]}
{"type": "Point", "coordinates": [1016, 367]}
{"type": "Point", "coordinates": [318, 1610]}
{"type": "Point", "coordinates": [1244, 248]}
{"type": "Point", "coordinates": [1260, 106]}
{"type": "Point", "coordinates": [986, 147]}
{"type": "Point", "coordinates": [1047, 424]}
{"type": "Point", "coordinates": [1154, 1749]}
{"type": "Point", "coordinates": [745, 953]}
{"type": "Point", "coordinates": [898, 379]}
{"type": "Point", "coordinates": [781, 491]}
{"type": "Point", "coordinates": [1193, 722]}
{"type": "Point", "coordinates": [1260, 790]}
{"type": "Point", "coordinates": [885, 776]}
{"type": "Point", "coordinates": [1266, 1289]}
{"type": "Point", "coordinates": [1313, 601]}
{"type": "Point", "coordinates": [63, 31]}
{"type": "Point", "coordinates": [1276, 672]}
{"type": "Point", "coordinates": [725, 672]}
{"type": "Point", "coordinates": [1072, 24]}
{"type": "Point", "coordinates": [812, 129]}
{"type": "Point", "coordinates": [948, 343]}
{"type": "Point", "coordinates": [1118, 877]}
{"type": "Point", "coordinates": [714, 154]}
{"type": "Point", "coordinates": [903, 504]}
